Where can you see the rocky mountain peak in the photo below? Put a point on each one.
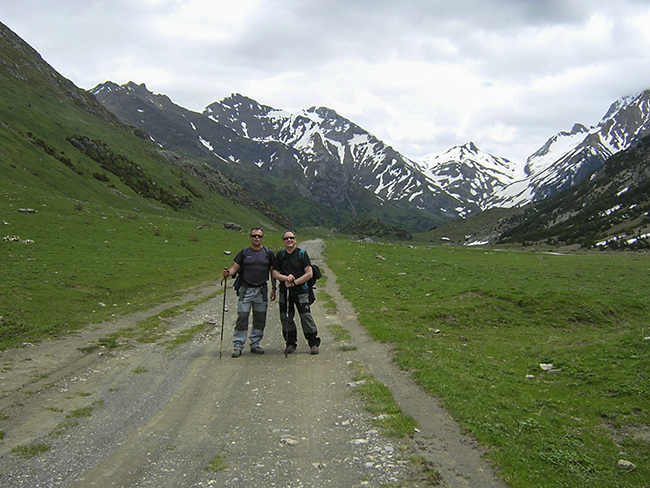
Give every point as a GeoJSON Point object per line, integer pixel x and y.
{"type": "Point", "coordinates": [578, 129]}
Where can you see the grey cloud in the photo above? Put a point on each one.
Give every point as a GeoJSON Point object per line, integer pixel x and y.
{"type": "Point", "coordinates": [390, 65]}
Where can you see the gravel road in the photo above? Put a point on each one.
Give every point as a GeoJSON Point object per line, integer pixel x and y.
{"type": "Point", "coordinates": [142, 415]}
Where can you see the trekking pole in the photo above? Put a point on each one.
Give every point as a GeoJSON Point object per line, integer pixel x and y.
{"type": "Point", "coordinates": [223, 313]}
{"type": "Point", "coordinates": [286, 312]}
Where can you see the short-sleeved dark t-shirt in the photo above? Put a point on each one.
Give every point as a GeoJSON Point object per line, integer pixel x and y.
{"type": "Point", "coordinates": [255, 265]}
{"type": "Point", "coordinates": [294, 263]}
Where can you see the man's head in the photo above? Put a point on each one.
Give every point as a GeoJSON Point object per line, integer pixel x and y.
{"type": "Point", "coordinates": [257, 236]}
{"type": "Point", "coordinates": [289, 239]}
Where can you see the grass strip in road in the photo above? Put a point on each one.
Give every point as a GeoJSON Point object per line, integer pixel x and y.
{"type": "Point", "coordinates": [152, 329]}
{"type": "Point", "coordinates": [217, 464]}
{"type": "Point", "coordinates": [341, 336]}
{"type": "Point", "coordinates": [379, 401]}
{"type": "Point", "coordinates": [392, 421]}
{"type": "Point", "coordinates": [186, 335]}
{"type": "Point", "coordinates": [328, 303]}
{"type": "Point", "coordinates": [29, 451]}
{"type": "Point", "coordinates": [79, 413]}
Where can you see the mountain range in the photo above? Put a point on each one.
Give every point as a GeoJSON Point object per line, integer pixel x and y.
{"type": "Point", "coordinates": [314, 167]}
{"type": "Point", "coordinates": [344, 172]}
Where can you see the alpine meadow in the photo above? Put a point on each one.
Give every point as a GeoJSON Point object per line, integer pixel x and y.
{"type": "Point", "coordinates": [543, 357]}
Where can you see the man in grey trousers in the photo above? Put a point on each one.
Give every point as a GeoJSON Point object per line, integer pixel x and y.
{"type": "Point", "coordinates": [255, 263]}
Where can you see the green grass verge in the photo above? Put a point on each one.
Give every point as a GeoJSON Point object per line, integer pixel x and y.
{"type": "Point", "coordinates": [92, 265]}
{"type": "Point", "coordinates": [474, 326]}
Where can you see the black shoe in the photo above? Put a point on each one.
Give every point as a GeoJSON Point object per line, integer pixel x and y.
{"type": "Point", "coordinates": [257, 350]}
{"type": "Point", "coordinates": [236, 353]}
{"type": "Point", "coordinates": [289, 349]}
{"type": "Point", "coordinates": [314, 349]}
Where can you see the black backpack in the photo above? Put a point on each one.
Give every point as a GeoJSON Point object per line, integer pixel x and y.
{"type": "Point", "coordinates": [315, 275]}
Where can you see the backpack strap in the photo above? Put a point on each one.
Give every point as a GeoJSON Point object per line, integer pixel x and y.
{"type": "Point", "coordinates": [268, 255]}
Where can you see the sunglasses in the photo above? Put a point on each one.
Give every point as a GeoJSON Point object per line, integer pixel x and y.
{"type": "Point", "coordinates": [288, 238]}
{"type": "Point", "coordinates": [257, 236]}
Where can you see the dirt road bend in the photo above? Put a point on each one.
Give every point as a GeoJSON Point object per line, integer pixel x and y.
{"type": "Point", "coordinates": [143, 415]}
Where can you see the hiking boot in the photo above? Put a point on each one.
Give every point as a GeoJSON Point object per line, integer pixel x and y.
{"type": "Point", "coordinates": [290, 348]}
{"type": "Point", "coordinates": [236, 353]}
{"type": "Point", "coordinates": [314, 349]}
{"type": "Point", "coordinates": [257, 350]}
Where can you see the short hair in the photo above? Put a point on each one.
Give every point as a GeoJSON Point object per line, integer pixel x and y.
{"type": "Point", "coordinates": [256, 228]}
{"type": "Point", "coordinates": [285, 233]}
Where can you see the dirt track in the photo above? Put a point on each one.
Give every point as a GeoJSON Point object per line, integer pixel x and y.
{"type": "Point", "coordinates": [145, 416]}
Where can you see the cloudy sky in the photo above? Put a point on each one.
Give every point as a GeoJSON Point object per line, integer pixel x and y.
{"type": "Point", "coordinates": [421, 75]}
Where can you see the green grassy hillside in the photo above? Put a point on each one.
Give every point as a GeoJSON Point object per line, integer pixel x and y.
{"type": "Point", "coordinates": [94, 219]}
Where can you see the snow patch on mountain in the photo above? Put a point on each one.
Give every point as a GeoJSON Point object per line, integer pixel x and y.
{"type": "Point", "coordinates": [206, 143]}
